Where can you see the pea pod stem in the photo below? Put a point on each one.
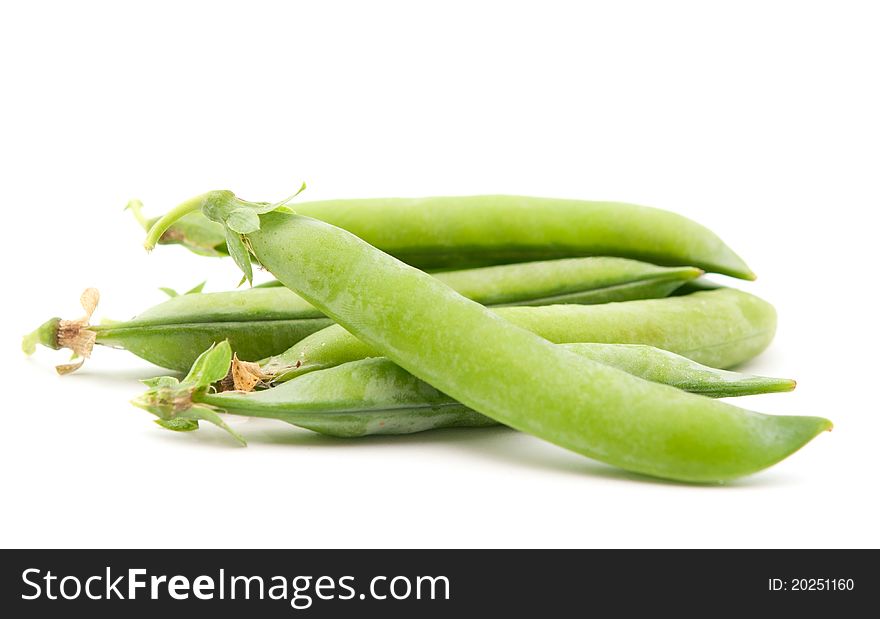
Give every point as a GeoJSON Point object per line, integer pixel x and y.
{"type": "Point", "coordinates": [162, 225]}
{"type": "Point", "coordinates": [136, 208]}
{"type": "Point", "coordinates": [503, 371]}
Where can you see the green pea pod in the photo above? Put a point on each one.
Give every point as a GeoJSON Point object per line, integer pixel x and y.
{"type": "Point", "coordinates": [473, 231]}
{"type": "Point", "coordinates": [496, 368]}
{"type": "Point", "coordinates": [720, 328]}
{"type": "Point", "coordinates": [265, 321]}
{"type": "Point", "coordinates": [375, 396]}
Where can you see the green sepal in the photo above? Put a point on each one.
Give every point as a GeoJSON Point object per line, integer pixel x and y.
{"type": "Point", "coordinates": [197, 289]}
{"type": "Point", "coordinates": [210, 367]}
{"type": "Point", "coordinates": [243, 220]}
{"type": "Point", "coordinates": [188, 421]}
{"type": "Point", "coordinates": [171, 292]}
{"type": "Point", "coordinates": [278, 206]}
{"type": "Point", "coordinates": [240, 254]}
{"type": "Point", "coordinates": [178, 425]}
{"type": "Point", "coordinates": [161, 381]}
{"type": "Point", "coordinates": [217, 205]}
{"type": "Point", "coordinates": [203, 412]}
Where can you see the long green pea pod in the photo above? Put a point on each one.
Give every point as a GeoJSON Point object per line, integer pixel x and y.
{"type": "Point", "coordinates": [375, 396]}
{"type": "Point", "coordinates": [495, 367]}
{"type": "Point", "coordinates": [720, 328]}
{"type": "Point", "coordinates": [472, 231]}
{"type": "Point", "coordinates": [260, 322]}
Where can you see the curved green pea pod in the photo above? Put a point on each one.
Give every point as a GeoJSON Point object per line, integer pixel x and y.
{"type": "Point", "coordinates": [260, 322]}
{"type": "Point", "coordinates": [375, 396]}
{"type": "Point", "coordinates": [472, 231]}
{"type": "Point", "coordinates": [719, 328]}
{"type": "Point", "coordinates": [495, 367]}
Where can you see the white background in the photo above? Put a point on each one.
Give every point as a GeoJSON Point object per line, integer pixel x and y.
{"type": "Point", "coordinates": [758, 119]}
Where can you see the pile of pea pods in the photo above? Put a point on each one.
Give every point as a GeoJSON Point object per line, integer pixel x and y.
{"type": "Point", "coordinates": [586, 324]}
